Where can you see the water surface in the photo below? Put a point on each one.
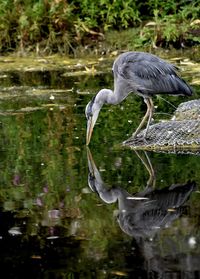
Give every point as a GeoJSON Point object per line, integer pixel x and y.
{"type": "Point", "coordinates": [64, 210]}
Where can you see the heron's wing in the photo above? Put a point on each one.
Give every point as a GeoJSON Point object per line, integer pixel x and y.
{"type": "Point", "coordinates": [148, 74]}
{"type": "Point", "coordinates": [143, 65]}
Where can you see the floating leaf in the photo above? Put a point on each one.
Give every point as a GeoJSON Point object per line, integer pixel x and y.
{"type": "Point", "coordinates": [119, 273]}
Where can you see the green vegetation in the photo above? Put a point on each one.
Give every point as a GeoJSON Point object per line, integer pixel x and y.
{"type": "Point", "coordinates": [67, 26]}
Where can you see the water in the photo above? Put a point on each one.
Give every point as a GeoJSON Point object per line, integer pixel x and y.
{"type": "Point", "coordinates": [56, 225]}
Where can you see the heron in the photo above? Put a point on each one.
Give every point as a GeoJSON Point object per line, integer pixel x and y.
{"type": "Point", "coordinates": [140, 73]}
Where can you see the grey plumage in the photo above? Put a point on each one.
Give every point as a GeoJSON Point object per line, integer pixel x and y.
{"type": "Point", "coordinates": [148, 75]}
{"type": "Point", "coordinates": [140, 73]}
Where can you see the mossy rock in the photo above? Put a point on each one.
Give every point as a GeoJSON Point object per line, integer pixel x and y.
{"type": "Point", "coordinates": [181, 133]}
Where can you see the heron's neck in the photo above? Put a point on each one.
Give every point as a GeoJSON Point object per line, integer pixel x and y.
{"type": "Point", "coordinates": [107, 96]}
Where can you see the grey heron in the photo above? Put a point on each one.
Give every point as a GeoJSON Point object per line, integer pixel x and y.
{"type": "Point", "coordinates": [140, 73]}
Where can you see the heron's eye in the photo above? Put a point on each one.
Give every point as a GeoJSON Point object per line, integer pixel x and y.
{"type": "Point", "coordinates": [91, 177]}
{"type": "Point", "coordinates": [88, 111]}
{"type": "Point", "coordinates": [91, 181]}
{"type": "Point", "coordinates": [88, 114]}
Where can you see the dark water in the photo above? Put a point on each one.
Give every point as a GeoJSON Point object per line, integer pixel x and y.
{"type": "Point", "coordinates": [69, 212]}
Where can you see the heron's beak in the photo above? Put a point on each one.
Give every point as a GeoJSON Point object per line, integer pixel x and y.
{"type": "Point", "coordinates": [90, 126]}
{"type": "Point", "coordinates": [91, 163]}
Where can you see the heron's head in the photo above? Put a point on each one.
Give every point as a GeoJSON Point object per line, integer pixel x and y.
{"type": "Point", "coordinates": [91, 112]}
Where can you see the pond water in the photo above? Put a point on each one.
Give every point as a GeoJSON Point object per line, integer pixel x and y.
{"type": "Point", "coordinates": [105, 212]}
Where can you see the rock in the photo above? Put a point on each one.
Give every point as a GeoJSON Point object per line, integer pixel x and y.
{"type": "Point", "coordinates": [182, 132]}
{"type": "Point", "coordinates": [188, 110]}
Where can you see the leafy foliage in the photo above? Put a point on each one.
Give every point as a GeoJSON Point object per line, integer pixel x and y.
{"type": "Point", "coordinates": [61, 26]}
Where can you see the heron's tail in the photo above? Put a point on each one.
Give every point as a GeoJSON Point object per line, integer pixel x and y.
{"type": "Point", "coordinates": [173, 85]}
{"type": "Point", "coordinates": [184, 88]}
{"type": "Point", "coordinates": [170, 84]}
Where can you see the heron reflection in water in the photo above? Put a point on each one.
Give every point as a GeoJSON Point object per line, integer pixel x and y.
{"type": "Point", "coordinates": [142, 214]}
{"type": "Point", "coordinates": [143, 74]}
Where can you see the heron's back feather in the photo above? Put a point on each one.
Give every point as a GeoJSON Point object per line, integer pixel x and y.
{"type": "Point", "coordinates": [147, 74]}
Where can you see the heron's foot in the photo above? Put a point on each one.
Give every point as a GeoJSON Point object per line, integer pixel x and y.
{"type": "Point", "coordinates": [144, 139]}
{"type": "Point", "coordinates": [140, 138]}
{"type": "Point", "coordinates": [136, 135]}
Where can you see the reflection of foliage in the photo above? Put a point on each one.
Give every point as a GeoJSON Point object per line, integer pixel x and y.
{"type": "Point", "coordinates": [44, 169]}
{"type": "Point", "coordinates": [43, 148]}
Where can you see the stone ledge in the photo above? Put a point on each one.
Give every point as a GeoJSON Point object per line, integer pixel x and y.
{"type": "Point", "coordinates": [180, 133]}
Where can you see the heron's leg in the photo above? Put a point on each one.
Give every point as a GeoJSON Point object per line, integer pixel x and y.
{"type": "Point", "coordinates": [151, 181]}
{"type": "Point", "coordinates": [146, 100]}
{"type": "Point", "coordinates": [150, 106]}
{"type": "Point", "coordinates": [147, 163]}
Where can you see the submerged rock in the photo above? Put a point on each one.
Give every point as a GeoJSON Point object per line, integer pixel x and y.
{"type": "Point", "coordinates": [182, 132]}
